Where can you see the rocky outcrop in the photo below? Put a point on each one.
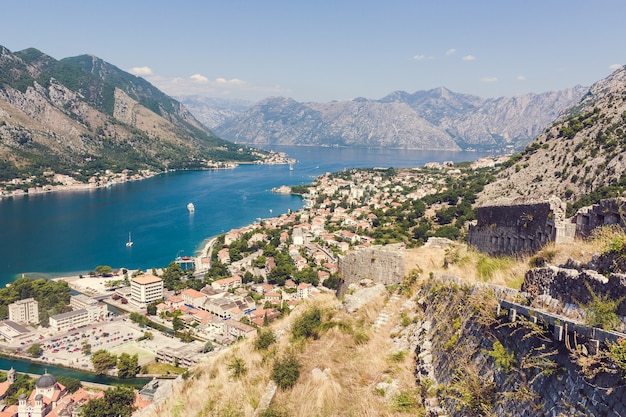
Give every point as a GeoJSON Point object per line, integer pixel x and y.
{"type": "Point", "coordinates": [576, 155]}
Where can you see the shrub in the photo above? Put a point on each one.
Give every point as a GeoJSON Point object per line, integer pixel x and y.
{"type": "Point", "coordinates": [505, 360]}
{"type": "Point", "coordinates": [601, 311]}
{"type": "Point", "coordinates": [617, 355]}
{"type": "Point", "coordinates": [308, 325]}
{"type": "Point", "coordinates": [286, 371]}
{"type": "Point", "coordinates": [237, 367]}
{"type": "Point", "coordinates": [406, 401]}
{"type": "Point", "coordinates": [264, 340]}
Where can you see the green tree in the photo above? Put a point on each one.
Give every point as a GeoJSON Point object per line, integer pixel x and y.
{"type": "Point", "coordinates": [151, 309]}
{"type": "Point", "coordinates": [177, 323]}
{"type": "Point", "coordinates": [71, 384]}
{"type": "Point", "coordinates": [117, 402]}
{"type": "Point", "coordinates": [103, 361]}
{"type": "Point", "coordinates": [23, 385]}
{"type": "Point", "coordinates": [127, 365]}
{"type": "Point", "coordinates": [104, 270]}
{"type": "Point", "coordinates": [186, 336]}
{"type": "Point", "coordinates": [34, 350]}
{"type": "Point", "coordinates": [208, 347]}
{"type": "Point", "coordinates": [171, 277]}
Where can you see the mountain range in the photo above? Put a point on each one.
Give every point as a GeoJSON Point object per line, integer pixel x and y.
{"type": "Point", "coordinates": [79, 116]}
{"type": "Point", "coordinates": [437, 119]}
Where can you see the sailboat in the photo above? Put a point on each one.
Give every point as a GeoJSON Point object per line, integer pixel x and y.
{"type": "Point", "coordinates": [130, 242]}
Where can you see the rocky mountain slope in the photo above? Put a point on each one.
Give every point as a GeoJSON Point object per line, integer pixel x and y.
{"type": "Point", "coordinates": [433, 119]}
{"type": "Point", "coordinates": [580, 155]}
{"type": "Point", "coordinates": [213, 112]}
{"type": "Point", "coordinates": [81, 115]}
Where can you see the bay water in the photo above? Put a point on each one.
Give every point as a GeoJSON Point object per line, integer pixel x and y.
{"type": "Point", "coordinates": [70, 233]}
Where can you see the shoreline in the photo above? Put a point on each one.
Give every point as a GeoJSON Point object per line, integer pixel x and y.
{"type": "Point", "coordinates": [122, 178]}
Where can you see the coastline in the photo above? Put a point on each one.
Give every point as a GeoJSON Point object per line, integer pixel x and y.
{"type": "Point", "coordinates": [69, 184]}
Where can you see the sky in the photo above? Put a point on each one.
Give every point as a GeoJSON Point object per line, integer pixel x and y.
{"type": "Point", "coordinates": [327, 50]}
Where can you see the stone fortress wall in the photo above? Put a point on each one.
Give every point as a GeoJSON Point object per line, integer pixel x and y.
{"type": "Point", "coordinates": [382, 264]}
{"type": "Point", "coordinates": [525, 227]}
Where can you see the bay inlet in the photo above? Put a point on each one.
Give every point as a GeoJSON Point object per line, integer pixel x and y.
{"type": "Point", "coordinates": [70, 233]}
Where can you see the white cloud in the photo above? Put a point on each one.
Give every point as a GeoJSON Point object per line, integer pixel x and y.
{"type": "Point", "coordinates": [199, 78]}
{"type": "Point", "coordinates": [615, 67]}
{"type": "Point", "coordinates": [141, 71]}
{"type": "Point", "coordinates": [521, 78]}
{"type": "Point", "coordinates": [422, 57]}
{"type": "Point", "coordinates": [489, 79]}
{"type": "Point", "coordinates": [469, 58]}
{"type": "Point", "coordinates": [234, 81]}
{"type": "Point", "coordinates": [451, 51]}
{"type": "Point", "coordinates": [198, 84]}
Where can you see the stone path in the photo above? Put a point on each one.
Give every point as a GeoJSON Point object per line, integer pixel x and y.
{"type": "Point", "coordinates": [385, 315]}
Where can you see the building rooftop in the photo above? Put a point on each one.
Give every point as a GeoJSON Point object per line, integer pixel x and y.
{"type": "Point", "coordinates": [146, 279]}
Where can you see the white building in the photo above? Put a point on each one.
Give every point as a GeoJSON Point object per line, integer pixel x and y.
{"type": "Point", "coordinates": [24, 311]}
{"type": "Point", "coordinates": [144, 289]}
{"type": "Point", "coordinates": [77, 318]}
{"type": "Point", "coordinates": [82, 301]}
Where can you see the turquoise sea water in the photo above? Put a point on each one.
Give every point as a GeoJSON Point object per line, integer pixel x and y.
{"type": "Point", "coordinates": [73, 232]}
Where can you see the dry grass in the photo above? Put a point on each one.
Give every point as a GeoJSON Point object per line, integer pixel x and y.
{"type": "Point", "coordinates": [353, 356]}
{"type": "Point", "coordinates": [352, 368]}
{"type": "Point", "coordinates": [461, 261]}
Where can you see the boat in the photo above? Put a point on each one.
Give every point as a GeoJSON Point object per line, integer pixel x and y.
{"type": "Point", "coordinates": [191, 207]}
{"type": "Point", "coordinates": [130, 242]}
{"type": "Point", "coordinates": [290, 167]}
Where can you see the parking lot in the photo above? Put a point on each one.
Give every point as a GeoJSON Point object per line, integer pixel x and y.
{"type": "Point", "coordinates": [117, 336]}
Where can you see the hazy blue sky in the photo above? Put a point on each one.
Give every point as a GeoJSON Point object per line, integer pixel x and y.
{"type": "Point", "coordinates": [332, 50]}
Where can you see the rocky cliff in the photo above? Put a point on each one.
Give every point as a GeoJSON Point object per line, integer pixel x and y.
{"type": "Point", "coordinates": [579, 155]}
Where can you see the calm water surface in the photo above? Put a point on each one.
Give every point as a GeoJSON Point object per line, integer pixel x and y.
{"type": "Point", "coordinates": [73, 232]}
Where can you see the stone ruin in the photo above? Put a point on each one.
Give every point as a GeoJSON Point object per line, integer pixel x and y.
{"type": "Point", "coordinates": [573, 287]}
{"type": "Point", "coordinates": [520, 228]}
{"type": "Point", "coordinates": [525, 227]}
{"type": "Point", "coordinates": [381, 264]}
{"type": "Point", "coordinates": [606, 212]}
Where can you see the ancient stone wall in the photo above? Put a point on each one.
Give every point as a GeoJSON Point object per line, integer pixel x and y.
{"type": "Point", "coordinates": [606, 212]}
{"type": "Point", "coordinates": [457, 352]}
{"type": "Point", "coordinates": [520, 228]}
{"type": "Point", "coordinates": [382, 264]}
{"type": "Point", "coordinates": [571, 286]}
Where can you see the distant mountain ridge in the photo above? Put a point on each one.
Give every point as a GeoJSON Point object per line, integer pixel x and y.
{"type": "Point", "coordinates": [81, 115]}
{"type": "Point", "coordinates": [437, 119]}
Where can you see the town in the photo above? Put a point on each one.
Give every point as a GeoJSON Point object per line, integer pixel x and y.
{"type": "Point", "coordinates": [241, 281]}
